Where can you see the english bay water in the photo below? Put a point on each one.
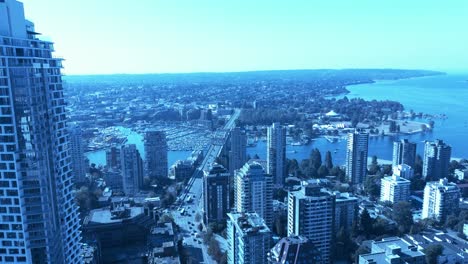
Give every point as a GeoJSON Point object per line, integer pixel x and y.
{"type": "Point", "coordinates": [443, 94]}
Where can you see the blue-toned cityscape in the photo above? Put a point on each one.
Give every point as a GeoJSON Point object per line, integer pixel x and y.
{"type": "Point", "coordinates": [364, 165]}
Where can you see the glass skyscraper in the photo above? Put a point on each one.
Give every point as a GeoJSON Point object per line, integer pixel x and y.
{"type": "Point", "coordinates": [38, 216]}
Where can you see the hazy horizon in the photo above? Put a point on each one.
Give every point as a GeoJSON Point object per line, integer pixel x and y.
{"type": "Point", "coordinates": [461, 72]}
{"type": "Point", "coordinates": [121, 37]}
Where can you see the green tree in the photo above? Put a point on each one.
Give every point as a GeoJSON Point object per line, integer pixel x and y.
{"type": "Point", "coordinates": [293, 166]}
{"type": "Point", "coordinates": [86, 199]}
{"type": "Point", "coordinates": [372, 187]}
{"type": "Point", "coordinates": [374, 167]}
{"type": "Point", "coordinates": [315, 158]}
{"type": "Point", "coordinates": [328, 160]}
{"type": "Point", "coordinates": [339, 173]}
{"type": "Point", "coordinates": [403, 216]}
{"type": "Point", "coordinates": [365, 223]}
{"type": "Point", "coordinates": [433, 251]}
{"type": "Point", "coordinates": [311, 172]}
{"type": "Point", "coordinates": [322, 172]}
{"type": "Point", "coordinates": [417, 183]}
{"type": "Point", "coordinates": [344, 246]}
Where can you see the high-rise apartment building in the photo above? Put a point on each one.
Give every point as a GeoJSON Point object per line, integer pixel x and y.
{"type": "Point", "coordinates": [441, 198]}
{"type": "Point", "coordinates": [156, 154]}
{"type": "Point", "coordinates": [216, 194]}
{"type": "Point", "coordinates": [77, 154]}
{"type": "Point", "coordinates": [394, 189]}
{"type": "Point", "coordinates": [276, 153]}
{"type": "Point", "coordinates": [356, 157]}
{"type": "Point", "coordinates": [39, 220]}
{"type": "Point", "coordinates": [253, 191]}
{"type": "Point", "coordinates": [311, 214]}
{"type": "Point", "coordinates": [113, 157]}
{"type": "Point", "coordinates": [248, 239]}
{"type": "Point", "coordinates": [346, 210]}
{"type": "Point", "coordinates": [436, 160]}
{"type": "Point", "coordinates": [132, 169]}
{"type": "Point", "coordinates": [294, 250]}
{"type": "Point", "coordinates": [404, 152]}
{"type": "Point", "coordinates": [238, 152]}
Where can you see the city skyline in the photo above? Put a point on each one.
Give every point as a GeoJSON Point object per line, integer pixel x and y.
{"type": "Point", "coordinates": [336, 166]}
{"type": "Point", "coordinates": [170, 38]}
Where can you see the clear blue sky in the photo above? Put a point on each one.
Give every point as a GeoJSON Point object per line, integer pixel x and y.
{"type": "Point", "coordinates": [156, 36]}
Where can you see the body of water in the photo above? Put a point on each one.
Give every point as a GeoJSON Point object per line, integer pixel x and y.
{"type": "Point", "coordinates": [99, 157]}
{"type": "Point", "coordinates": [436, 95]}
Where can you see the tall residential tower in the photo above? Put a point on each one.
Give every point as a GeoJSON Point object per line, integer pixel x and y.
{"type": "Point", "coordinates": [356, 157]}
{"type": "Point", "coordinates": [156, 154]}
{"type": "Point", "coordinates": [132, 169]}
{"type": "Point", "coordinates": [311, 214]}
{"type": "Point", "coordinates": [39, 220]}
{"type": "Point", "coordinates": [77, 154]}
{"type": "Point", "coordinates": [441, 198]}
{"type": "Point", "coordinates": [253, 192]}
{"type": "Point", "coordinates": [276, 153]}
{"type": "Point", "coordinates": [216, 194]}
{"type": "Point", "coordinates": [404, 152]}
{"type": "Point", "coordinates": [436, 160]}
{"type": "Point", "coordinates": [238, 152]}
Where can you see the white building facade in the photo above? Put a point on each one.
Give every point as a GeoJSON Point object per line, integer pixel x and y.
{"type": "Point", "coordinates": [253, 191]}
{"type": "Point", "coordinates": [441, 199]}
{"type": "Point", "coordinates": [394, 189]}
{"type": "Point", "coordinates": [356, 157]}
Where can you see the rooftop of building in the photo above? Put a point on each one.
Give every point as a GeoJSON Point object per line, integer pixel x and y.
{"type": "Point", "coordinates": [294, 246]}
{"type": "Point", "coordinates": [452, 245]}
{"type": "Point", "coordinates": [311, 190]}
{"type": "Point", "coordinates": [437, 142]}
{"type": "Point", "coordinates": [117, 215]}
{"type": "Point", "coordinates": [163, 260]}
{"type": "Point", "coordinates": [249, 223]}
{"type": "Point", "coordinates": [263, 163]}
{"type": "Point", "coordinates": [163, 229]}
{"type": "Point", "coordinates": [251, 168]}
{"type": "Point", "coordinates": [396, 179]}
{"type": "Point", "coordinates": [216, 170]}
{"type": "Point", "coordinates": [443, 185]}
{"type": "Point", "coordinates": [389, 249]}
{"type": "Point", "coordinates": [344, 196]}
